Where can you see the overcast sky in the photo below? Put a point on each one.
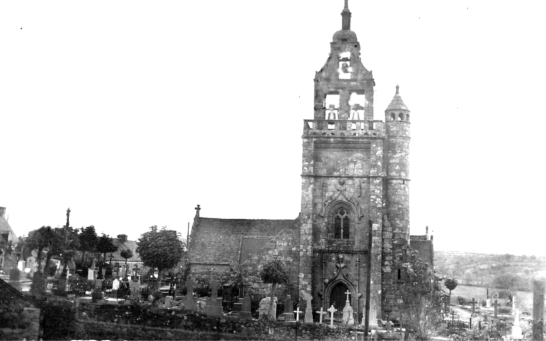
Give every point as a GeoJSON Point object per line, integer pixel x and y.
{"type": "Point", "coordinates": [133, 112]}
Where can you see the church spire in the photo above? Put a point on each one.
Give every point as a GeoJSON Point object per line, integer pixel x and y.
{"type": "Point", "coordinates": [346, 17]}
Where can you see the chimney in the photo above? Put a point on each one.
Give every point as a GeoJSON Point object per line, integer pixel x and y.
{"type": "Point", "coordinates": [426, 236]}
{"type": "Point", "coordinates": [2, 211]}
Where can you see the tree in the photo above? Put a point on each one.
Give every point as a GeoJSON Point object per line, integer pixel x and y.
{"type": "Point", "coordinates": [105, 245]}
{"type": "Point", "coordinates": [160, 248]}
{"type": "Point", "coordinates": [274, 273]}
{"type": "Point", "coordinates": [38, 240]}
{"type": "Point", "coordinates": [420, 296]}
{"type": "Point", "coordinates": [88, 241]}
{"type": "Point", "coordinates": [450, 284]}
{"type": "Point", "coordinates": [126, 253]}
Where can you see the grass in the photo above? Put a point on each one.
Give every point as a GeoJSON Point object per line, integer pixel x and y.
{"type": "Point", "coordinates": [524, 300]}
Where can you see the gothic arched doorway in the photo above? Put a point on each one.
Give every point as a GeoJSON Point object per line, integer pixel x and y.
{"type": "Point", "coordinates": [338, 296]}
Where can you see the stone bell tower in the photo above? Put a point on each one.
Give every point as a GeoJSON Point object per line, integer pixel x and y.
{"type": "Point", "coordinates": [342, 182]}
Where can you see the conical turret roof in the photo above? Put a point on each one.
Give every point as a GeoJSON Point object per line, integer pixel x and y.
{"type": "Point", "coordinates": [397, 103]}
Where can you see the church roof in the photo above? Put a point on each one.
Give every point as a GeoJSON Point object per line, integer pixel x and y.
{"type": "Point", "coordinates": [6, 228]}
{"type": "Point", "coordinates": [230, 241]}
{"type": "Point", "coordinates": [397, 103]}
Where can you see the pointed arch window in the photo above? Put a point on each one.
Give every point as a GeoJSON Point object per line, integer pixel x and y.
{"type": "Point", "coordinates": [341, 224]}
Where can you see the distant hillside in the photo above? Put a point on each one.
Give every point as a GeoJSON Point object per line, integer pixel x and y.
{"type": "Point", "coordinates": [489, 270]}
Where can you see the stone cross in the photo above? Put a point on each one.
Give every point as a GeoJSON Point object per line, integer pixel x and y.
{"type": "Point", "coordinates": [332, 310]}
{"type": "Point", "coordinates": [496, 305]}
{"type": "Point", "coordinates": [452, 316]}
{"type": "Point", "coordinates": [473, 302]}
{"type": "Point", "coordinates": [214, 289]}
{"type": "Point", "coordinates": [347, 293]}
{"type": "Point", "coordinates": [189, 286]}
{"type": "Point", "coordinates": [298, 311]}
{"type": "Point", "coordinates": [321, 312]}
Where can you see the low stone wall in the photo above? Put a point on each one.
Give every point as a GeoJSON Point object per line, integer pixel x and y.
{"type": "Point", "coordinates": [250, 330]}
{"type": "Point", "coordinates": [130, 322]}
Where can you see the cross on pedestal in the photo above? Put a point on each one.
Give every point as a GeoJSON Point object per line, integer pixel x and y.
{"type": "Point", "coordinates": [321, 312]}
{"type": "Point", "coordinates": [473, 302]}
{"type": "Point", "coordinates": [347, 293]}
{"type": "Point", "coordinates": [111, 256]}
{"type": "Point", "coordinates": [298, 311]}
{"type": "Point", "coordinates": [452, 316]}
{"type": "Point", "coordinates": [496, 305]}
{"type": "Point", "coordinates": [332, 310]}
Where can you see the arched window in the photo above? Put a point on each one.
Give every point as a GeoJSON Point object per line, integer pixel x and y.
{"type": "Point", "coordinates": [341, 224]}
{"type": "Point", "coordinates": [407, 117]}
{"type": "Point", "coordinates": [401, 116]}
{"type": "Point", "coordinates": [393, 117]}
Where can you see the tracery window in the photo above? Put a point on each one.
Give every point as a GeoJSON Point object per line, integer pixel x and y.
{"type": "Point", "coordinates": [341, 224]}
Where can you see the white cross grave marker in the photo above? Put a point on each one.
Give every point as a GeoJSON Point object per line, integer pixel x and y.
{"type": "Point", "coordinates": [321, 312]}
{"type": "Point", "coordinates": [332, 310]}
{"type": "Point", "coordinates": [347, 293]}
{"type": "Point", "coordinates": [298, 311]}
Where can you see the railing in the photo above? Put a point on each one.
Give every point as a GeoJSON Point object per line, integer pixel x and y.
{"type": "Point", "coordinates": [346, 128]}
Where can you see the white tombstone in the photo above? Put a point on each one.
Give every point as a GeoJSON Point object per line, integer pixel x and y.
{"type": "Point", "coordinates": [91, 274]}
{"type": "Point", "coordinates": [298, 312]}
{"type": "Point", "coordinates": [348, 317]}
{"type": "Point", "coordinates": [517, 333]}
{"type": "Point", "coordinates": [488, 303]}
{"type": "Point", "coordinates": [332, 310]}
{"type": "Point", "coordinates": [115, 284]}
{"type": "Point", "coordinates": [321, 312]}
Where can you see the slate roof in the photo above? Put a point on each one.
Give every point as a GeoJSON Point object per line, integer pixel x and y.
{"type": "Point", "coordinates": [5, 227]}
{"type": "Point", "coordinates": [230, 241]}
{"type": "Point", "coordinates": [397, 103]}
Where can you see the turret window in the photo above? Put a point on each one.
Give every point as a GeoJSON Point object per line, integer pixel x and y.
{"type": "Point", "coordinates": [341, 224]}
{"type": "Point", "coordinates": [393, 117]}
{"type": "Point", "coordinates": [401, 116]}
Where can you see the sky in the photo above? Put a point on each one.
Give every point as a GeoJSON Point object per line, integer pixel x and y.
{"type": "Point", "coordinates": [131, 113]}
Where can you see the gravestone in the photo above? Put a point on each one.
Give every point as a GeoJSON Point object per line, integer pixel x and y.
{"type": "Point", "coordinates": [190, 301]}
{"type": "Point", "coordinates": [98, 284]}
{"type": "Point", "coordinates": [288, 312]}
{"type": "Point", "coordinates": [308, 309]}
{"type": "Point", "coordinates": [265, 306]}
{"type": "Point", "coordinates": [245, 313]}
{"type": "Point", "coordinates": [488, 303]}
{"type": "Point", "coordinates": [298, 312]}
{"type": "Point", "coordinates": [517, 333]}
{"type": "Point", "coordinates": [538, 310]}
{"type": "Point", "coordinates": [135, 288]}
{"type": "Point", "coordinates": [214, 306]}
{"type": "Point", "coordinates": [496, 305]}
{"type": "Point", "coordinates": [348, 317]}
{"type": "Point", "coordinates": [321, 312]}
{"type": "Point", "coordinates": [90, 274]}
{"type": "Point", "coordinates": [168, 301]}
{"type": "Point", "coordinates": [332, 310]}
{"type": "Point", "coordinates": [115, 284]}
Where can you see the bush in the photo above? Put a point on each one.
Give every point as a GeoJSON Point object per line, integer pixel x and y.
{"type": "Point", "coordinates": [59, 321]}
{"type": "Point", "coordinates": [461, 300]}
{"type": "Point", "coordinates": [12, 315]}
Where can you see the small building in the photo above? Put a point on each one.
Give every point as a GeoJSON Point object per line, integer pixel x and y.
{"type": "Point", "coordinates": [7, 242]}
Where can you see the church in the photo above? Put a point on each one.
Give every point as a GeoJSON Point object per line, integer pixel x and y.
{"type": "Point", "coordinates": [346, 242]}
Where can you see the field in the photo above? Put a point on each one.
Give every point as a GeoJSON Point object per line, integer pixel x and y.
{"type": "Point", "coordinates": [524, 300]}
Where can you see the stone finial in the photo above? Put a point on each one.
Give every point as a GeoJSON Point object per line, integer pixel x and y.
{"type": "Point", "coordinates": [426, 234]}
{"type": "Point", "coordinates": [197, 209]}
{"type": "Point", "coordinates": [346, 17]}
{"type": "Point", "coordinates": [397, 89]}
